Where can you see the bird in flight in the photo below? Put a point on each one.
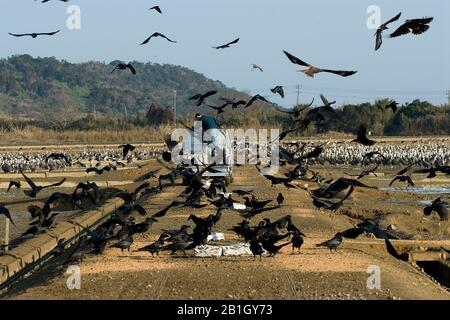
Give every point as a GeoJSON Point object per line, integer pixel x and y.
{"type": "Point", "coordinates": [406, 179]}
{"type": "Point", "coordinates": [4, 211]}
{"type": "Point", "coordinates": [253, 99]}
{"type": "Point", "coordinates": [219, 109]}
{"type": "Point", "coordinates": [35, 189]}
{"type": "Point", "coordinates": [123, 66]}
{"type": "Point", "coordinates": [278, 90]}
{"type": "Point", "coordinates": [227, 45]}
{"type": "Point", "coordinates": [13, 183]}
{"type": "Point", "coordinates": [201, 97]}
{"type": "Point", "coordinates": [414, 26]}
{"type": "Point", "coordinates": [99, 171]}
{"type": "Point", "coordinates": [392, 105]}
{"type": "Point", "coordinates": [234, 104]}
{"type": "Point", "coordinates": [157, 34]}
{"type": "Point", "coordinates": [325, 101]}
{"type": "Point", "coordinates": [34, 35]}
{"type": "Point", "coordinates": [440, 207]}
{"type": "Point", "coordinates": [361, 136]}
{"type": "Point", "coordinates": [256, 67]}
{"type": "Point", "coordinates": [378, 34]}
{"type": "Point", "coordinates": [312, 70]}
{"type": "Point", "coordinates": [58, 156]}
{"type": "Point", "coordinates": [126, 148]}
{"type": "Point", "coordinates": [156, 8]}
{"type": "Point", "coordinates": [44, 1]}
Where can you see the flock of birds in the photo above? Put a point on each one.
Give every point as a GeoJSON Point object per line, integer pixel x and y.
{"type": "Point", "coordinates": [262, 237]}
{"type": "Point", "coordinates": [16, 162]}
{"type": "Point", "coordinates": [331, 194]}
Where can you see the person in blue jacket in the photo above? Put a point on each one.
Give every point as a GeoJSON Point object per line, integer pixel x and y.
{"type": "Point", "coordinates": [208, 122]}
{"type": "Point", "coordinates": [216, 137]}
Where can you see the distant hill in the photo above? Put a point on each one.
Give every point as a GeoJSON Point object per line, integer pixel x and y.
{"type": "Point", "coordinates": [31, 87]}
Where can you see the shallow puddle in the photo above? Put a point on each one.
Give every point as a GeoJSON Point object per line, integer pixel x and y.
{"type": "Point", "coordinates": [419, 190]}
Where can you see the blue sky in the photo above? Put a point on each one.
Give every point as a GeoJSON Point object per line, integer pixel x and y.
{"type": "Point", "coordinates": [327, 33]}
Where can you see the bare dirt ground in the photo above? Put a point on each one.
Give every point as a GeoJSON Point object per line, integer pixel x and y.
{"type": "Point", "coordinates": [315, 273]}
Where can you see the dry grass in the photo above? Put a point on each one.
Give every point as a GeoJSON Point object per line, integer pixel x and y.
{"type": "Point", "coordinates": [38, 136]}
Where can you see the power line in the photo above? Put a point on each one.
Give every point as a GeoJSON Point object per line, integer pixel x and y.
{"type": "Point", "coordinates": [387, 92]}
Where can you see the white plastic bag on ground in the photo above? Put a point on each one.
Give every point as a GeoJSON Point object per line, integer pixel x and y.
{"type": "Point", "coordinates": [207, 251]}
{"type": "Point", "coordinates": [240, 249]}
{"type": "Point", "coordinates": [215, 236]}
{"type": "Point", "coordinates": [239, 206]}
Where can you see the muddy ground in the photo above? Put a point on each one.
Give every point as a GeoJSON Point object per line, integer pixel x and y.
{"type": "Point", "coordinates": [315, 273]}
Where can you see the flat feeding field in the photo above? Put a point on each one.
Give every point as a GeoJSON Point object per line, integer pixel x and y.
{"type": "Point", "coordinates": [315, 273]}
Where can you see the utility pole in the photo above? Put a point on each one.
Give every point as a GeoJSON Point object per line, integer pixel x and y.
{"type": "Point", "coordinates": [174, 107]}
{"type": "Point", "coordinates": [448, 96]}
{"type": "Point", "coordinates": [126, 113]}
{"type": "Point", "coordinates": [298, 94]}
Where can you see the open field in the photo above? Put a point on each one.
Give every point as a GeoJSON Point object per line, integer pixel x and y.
{"type": "Point", "coordinates": [315, 273]}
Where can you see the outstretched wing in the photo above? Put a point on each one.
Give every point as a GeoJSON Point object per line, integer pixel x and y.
{"type": "Point", "coordinates": [163, 36]}
{"type": "Point", "coordinates": [296, 60]}
{"type": "Point", "coordinates": [163, 212]}
{"type": "Point", "coordinates": [141, 187]}
{"type": "Point", "coordinates": [402, 30]}
{"type": "Point", "coordinates": [147, 40]}
{"type": "Point", "coordinates": [352, 233]}
{"type": "Point", "coordinates": [340, 72]}
{"type": "Point", "coordinates": [324, 100]}
{"type": "Point", "coordinates": [423, 20]}
{"type": "Point", "coordinates": [6, 213]}
{"type": "Point", "coordinates": [132, 69]}
{"type": "Point", "coordinates": [29, 181]}
{"type": "Point", "coordinates": [393, 180]}
{"type": "Point", "coordinates": [392, 20]}
{"type": "Point", "coordinates": [233, 42]}
{"type": "Point", "coordinates": [55, 184]}
{"type": "Point", "coordinates": [157, 8]}
{"type": "Point", "coordinates": [19, 35]}
{"type": "Point", "coordinates": [253, 99]}
{"type": "Point", "coordinates": [208, 94]}
{"type": "Point", "coordinates": [379, 40]}
{"type": "Point", "coordinates": [48, 33]}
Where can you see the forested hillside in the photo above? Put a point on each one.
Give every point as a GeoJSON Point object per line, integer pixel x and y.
{"type": "Point", "coordinates": [36, 87]}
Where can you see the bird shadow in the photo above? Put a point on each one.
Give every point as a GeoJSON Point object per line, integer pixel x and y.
{"type": "Point", "coordinates": [48, 270]}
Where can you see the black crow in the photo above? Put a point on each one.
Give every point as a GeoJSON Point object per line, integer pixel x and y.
{"type": "Point", "coordinates": [13, 183]}
{"type": "Point", "coordinates": [35, 35]}
{"type": "Point", "coordinates": [126, 148]}
{"type": "Point", "coordinates": [200, 98]}
{"type": "Point", "coordinates": [227, 45]}
{"type": "Point", "coordinates": [4, 211]}
{"type": "Point", "coordinates": [99, 171]}
{"type": "Point", "coordinates": [58, 156]}
{"type": "Point", "coordinates": [278, 90]}
{"type": "Point", "coordinates": [333, 243]}
{"type": "Point", "coordinates": [123, 66]}
{"type": "Point", "coordinates": [414, 26]}
{"type": "Point", "coordinates": [156, 34]}
{"type": "Point", "coordinates": [403, 179]}
{"type": "Point", "coordinates": [254, 98]}
{"type": "Point", "coordinates": [381, 28]}
{"type": "Point", "coordinates": [440, 207]}
{"type": "Point", "coordinates": [35, 189]}
{"type": "Point", "coordinates": [156, 8]}
{"type": "Point", "coordinates": [361, 136]}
